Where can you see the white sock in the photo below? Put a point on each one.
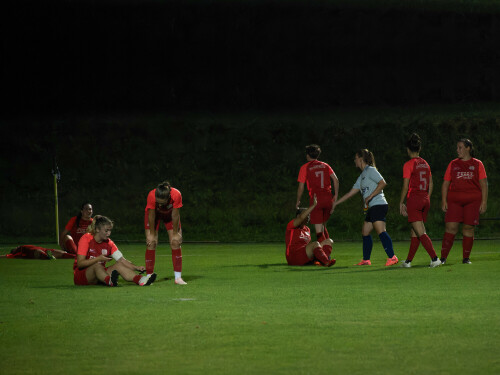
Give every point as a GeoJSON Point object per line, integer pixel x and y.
{"type": "Point", "coordinates": [177, 275]}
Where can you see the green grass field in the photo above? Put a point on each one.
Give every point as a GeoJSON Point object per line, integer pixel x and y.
{"type": "Point", "coordinates": [244, 311]}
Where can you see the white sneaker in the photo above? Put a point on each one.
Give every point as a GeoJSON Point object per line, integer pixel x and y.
{"type": "Point", "coordinates": [437, 263]}
{"type": "Point", "coordinates": [406, 265]}
{"type": "Point", "coordinates": [179, 281]}
{"type": "Point", "coordinates": [147, 280]}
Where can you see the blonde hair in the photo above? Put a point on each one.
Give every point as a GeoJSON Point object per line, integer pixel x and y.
{"type": "Point", "coordinates": [98, 222]}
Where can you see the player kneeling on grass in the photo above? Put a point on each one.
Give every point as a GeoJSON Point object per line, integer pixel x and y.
{"type": "Point", "coordinates": [299, 248]}
{"type": "Point", "coordinates": [95, 249]}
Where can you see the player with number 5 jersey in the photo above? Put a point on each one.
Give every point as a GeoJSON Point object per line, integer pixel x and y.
{"type": "Point", "coordinates": [417, 189]}
{"type": "Point", "coordinates": [318, 176]}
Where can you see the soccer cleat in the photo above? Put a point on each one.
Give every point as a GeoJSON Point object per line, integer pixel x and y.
{"type": "Point", "coordinates": [466, 261]}
{"type": "Point", "coordinates": [317, 263]}
{"type": "Point", "coordinates": [392, 261]}
{"type": "Point", "coordinates": [364, 263]}
{"type": "Point", "coordinates": [179, 281]}
{"type": "Point", "coordinates": [113, 280]}
{"type": "Point", "coordinates": [406, 264]}
{"type": "Point", "coordinates": [443, 261]}
{"type": "Point", "coordinates": [147, 280]}
{"type": "Point", "coordinates": [435, 263]}
{"type": "Point", "coordinates": [50, 256]}
{"type": "Point", "coordinates": [331, 262]}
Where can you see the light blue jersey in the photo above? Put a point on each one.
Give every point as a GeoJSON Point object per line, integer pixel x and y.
{"type": "Point", "coordinates": [367, 182]}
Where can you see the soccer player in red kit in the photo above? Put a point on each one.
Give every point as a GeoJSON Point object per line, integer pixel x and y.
{"type": "Point", "coordinates": [299, 248]}
{"type": "Point", "coordinates": [37, 252]}
{"type": "Point", "coordinates": [318, 176]}
{"type": "Point", "coordinates": [163, 204]}
{"type": "Point", "coordinates": [76, 228]}
{"type": "Point", "coordinates": [95, 249]}
{"type": "Point", "coordinates": [464, 196]}
{"type": "Point", "coordinates": [417, 189]}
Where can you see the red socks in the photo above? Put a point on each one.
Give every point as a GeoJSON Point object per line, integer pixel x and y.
{"type": "Point", "coordinates": [150, 261]}
{"type": "Point", "coordinates": [448, 239]}
{"type": "Point", "coordinates": [136, 279]}
{"type": "Point", "coordinates": [467, 243]}
{"type": "Point", "coordinates": [176, 260]}
{"type": "Point", "coordinates": [427, 244]}
{"type": "Point", "coordinates": [321, 256]}
{"type": "Point", "coordinates": [327, 249]}
{"type": "Point", "coordinates": [70, 246]}
{"type": "Point", "coordinates": [414, 244]}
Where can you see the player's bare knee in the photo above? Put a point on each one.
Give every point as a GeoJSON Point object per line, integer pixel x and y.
{"type": "Point", "coordinates": [175, 244]}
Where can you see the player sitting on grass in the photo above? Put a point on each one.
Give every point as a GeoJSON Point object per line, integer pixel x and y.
{"type": "Point", "coordinates": [95, 249]}
{"type": "Point", "coordinates": [299, 248]}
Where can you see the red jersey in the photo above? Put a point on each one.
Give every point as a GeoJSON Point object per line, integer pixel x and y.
{"type": "Point", "coordinates": [317, 176]}
{"type": "Point", "coordinates": [164, 212]}
{"type": "Point", "coordinates": [77, 231]}
{"type": "Point", "coordinates": [296, 236]}
{"type": "Point", "coordinates": [465, 175]}
{"type": "Point", "coordinates": [92, 249]}
{"type": "Point", "coordinates": [419, 173]}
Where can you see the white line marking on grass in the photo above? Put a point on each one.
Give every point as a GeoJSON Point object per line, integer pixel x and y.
{"type": "Point", "coordinates": [183, 299]}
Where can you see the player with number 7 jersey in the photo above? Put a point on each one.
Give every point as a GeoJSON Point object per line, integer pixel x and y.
{"type": "Point", "coordinates": [318, 176]}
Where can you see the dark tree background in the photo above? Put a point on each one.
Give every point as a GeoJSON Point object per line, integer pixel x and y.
{"type": "Point", "coordinates": [137, 91]}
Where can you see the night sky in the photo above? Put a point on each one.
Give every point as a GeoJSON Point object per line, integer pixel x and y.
{"type": "Point", "coordinates": [100, 56]}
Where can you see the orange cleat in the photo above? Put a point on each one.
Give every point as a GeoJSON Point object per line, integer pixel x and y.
{"type": "Point", "coordinates": [364, 263]}
{"type": "Point", "coordinates": [392, 261]}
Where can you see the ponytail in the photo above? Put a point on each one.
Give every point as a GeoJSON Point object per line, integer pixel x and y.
{"type": "Point", "coordinates": [414, 143]}
{"type": "Point", "coordinates": [367, 157]}
{"type": "Point", "coordinates": [163, 190]}
{"type": "Point", "coordinates": [98, 222]}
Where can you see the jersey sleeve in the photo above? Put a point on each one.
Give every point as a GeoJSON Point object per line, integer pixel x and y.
{"type": "Point", "coordinates": [302, 174]}
{"type": "Point", "coordinates": [447, 174]}
{"type": "Point", "coordinates": [71, 223]}
{"type": "Point", "coordinates": [290, 225]}
{"type": "Point", "coordinates": [151, 201]}
{"type": "Point", "coordinates": [408, 169]}
{"type": "Point", "coordinates": [83, 244]}
{"type": "Point", "coordinates": [330, 170]}
{"type": "Point", "coordinates": [375, 175]}
{"type": "Point", "coordinates": [112, 247]}
{"type": "Point", "coordinates": [482, 171]}
{"type": "Point", "coordinates": [176, 197]}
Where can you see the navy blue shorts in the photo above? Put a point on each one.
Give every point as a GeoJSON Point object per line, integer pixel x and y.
{"type": "Point", "coordinates": [377, 213]}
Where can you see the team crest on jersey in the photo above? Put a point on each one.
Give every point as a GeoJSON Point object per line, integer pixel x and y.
{"type": "Point", "coordinates": [104, 252]}
{"type": "Point", "coordinates": [472, 168]}
{"type": "Point", "coordinates": [304, 236]}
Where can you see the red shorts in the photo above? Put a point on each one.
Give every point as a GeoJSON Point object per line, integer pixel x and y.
{"type": "Point", "coordinates": [80, 277]}
{"type": "Point", "coordinates": [321, 212]}
{"type": "Point", "coordinates": [168, 225]}
{"type": "Point", "coordinates": [463, 208]}
{"type": "Point", "coordinates": [297, 256]}
{"type": "Point", "coordinates": [417, 207]}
